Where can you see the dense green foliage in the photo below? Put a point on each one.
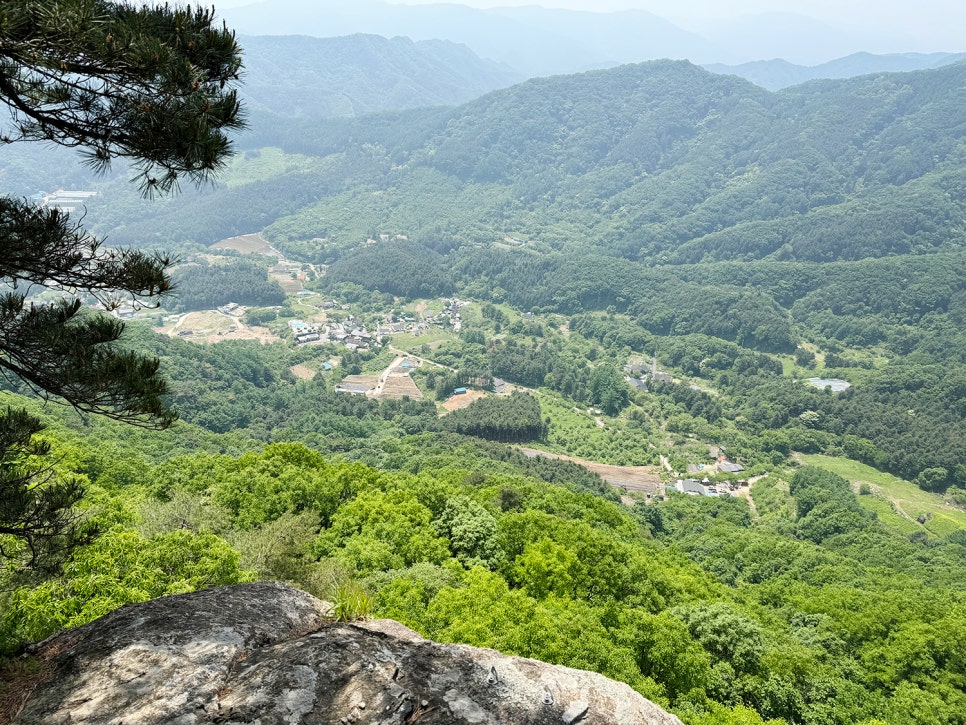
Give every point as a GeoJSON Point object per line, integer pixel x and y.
{"type": "Point", "coordinates": [739, 240]}
{"type": "Point", "coordinates": [396, 268]}
{"type": "Point", "coordinates": [516, 418]}
{"type": "Point", "coordinates": [121, 567]}
{"type": "Point", "coordinates": [810, 611]}
{"type": "Point", "coordinates": [204, 286]}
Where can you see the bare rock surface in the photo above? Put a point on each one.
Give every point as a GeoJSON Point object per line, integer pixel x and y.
{"type": "Point", "coordinates": [265, 653]}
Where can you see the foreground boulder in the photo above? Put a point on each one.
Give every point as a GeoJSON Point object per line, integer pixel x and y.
{"type": "Point", "coordinates": [265, 653]}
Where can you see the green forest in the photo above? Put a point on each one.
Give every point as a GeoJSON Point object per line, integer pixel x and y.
{"type": "Point", "coordinates": [812, 608]}
{"type": "Point", "coordinates": [822, 603]}
{"type": "Point", "coordinates": [649, 264]}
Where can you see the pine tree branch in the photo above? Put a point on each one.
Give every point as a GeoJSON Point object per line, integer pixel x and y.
{"type": "Point", "coordinates": [149, 84]}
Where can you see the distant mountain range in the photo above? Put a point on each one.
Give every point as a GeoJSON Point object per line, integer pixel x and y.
{"type": "Point", "coordinates": [307, 79]}
{"type": "Point", "coordinates": [533, 41]}
{"type": "Point", "coordinates": [777, 74]}
{"type": "Point", "coordinates": [300, 76]}
{"type": "Point", "coordinates": [537, 41]}
{"type": "Point", "coordinates": [661, 162]}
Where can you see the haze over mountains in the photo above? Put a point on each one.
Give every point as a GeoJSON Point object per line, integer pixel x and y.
{"type": "Point", "coordinates": [358, 74]}
{"type": "Point", "coordinates": [302, 76]}
{"type": "Point", "coordinates": [777, 74]}
{"type": "Point", "coordinates": [532, 41]}
{"type": "Point", "coordinates": [536, 41]}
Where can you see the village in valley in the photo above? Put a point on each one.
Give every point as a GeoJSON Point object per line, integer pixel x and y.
{"type": "Point", "coordinates": [400, 338]}
{"type": "Point", "coordinates": [351, 331]}
{"type": "Point", "coordinates": [387, 354]}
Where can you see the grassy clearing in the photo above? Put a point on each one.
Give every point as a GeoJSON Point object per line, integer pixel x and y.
{"type": "Point", "coordinates": [885, 510]}
{"type": "Point", "coordinates": [289, 285]}
{"type": "Point", "coordinates": [265, 163]}
{"type": "Point", "coordinates": [909, 500]}
{"type": "Point", "coordinates": [246, 244]}
{"type": "Point", "coordinates": [410, 344]}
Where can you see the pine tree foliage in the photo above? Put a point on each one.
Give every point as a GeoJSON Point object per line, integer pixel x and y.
{"type": "Point", "coordinates": [148, 84]}
{"type": "Point", "coordinates": [55, 348]}
{"type": "Point", "coordinates": [145, 83]}
{"type": "Point", "coordinates": [504, 419]}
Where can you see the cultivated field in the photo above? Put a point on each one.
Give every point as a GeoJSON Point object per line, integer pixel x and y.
{"type": "Point", "coordinates": [370, 380]}
{"type": "Point", "coordinates": [400, 386]}
{"type": "Point", "coordinates": [455, 402]}
{"type": "Point", "coordinates": [249, 244]}
{"type": "Point", "coordinates": [302, 372]}
{"type": "Point", "coordinates": [633, 478]}
{"type": "Point", "coordinates": [289, 286]}
{"type": "Point", "coordinates": [212, 326]}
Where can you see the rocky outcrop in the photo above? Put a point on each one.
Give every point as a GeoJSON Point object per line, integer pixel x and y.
{"type": "Point", "coordinates": [265, 653]}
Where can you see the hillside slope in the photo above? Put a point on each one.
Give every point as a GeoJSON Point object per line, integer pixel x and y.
{"type": "Point", "coordinates": [350, 76]}
{"type": "Point", "coordinates": [661, 162]}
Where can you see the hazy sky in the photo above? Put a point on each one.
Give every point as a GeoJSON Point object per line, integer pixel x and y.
{"type": "Point", "coordinates": [937, 24]}
{"type": "Point", "coordinates": [921, 11]}
{"type": "Point", "coordinates": [897, 13]}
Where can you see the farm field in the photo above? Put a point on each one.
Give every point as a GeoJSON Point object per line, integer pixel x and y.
{"type": "Point", "coordinates": [900, 502]}
{"type": "Point", "coordinates": [249, 244]}
{"type": "Point", "coordinates": [212, 326]}
{"type": "Point", "coordinates": [289, 286]}
{"type": "Point", "coordinates": [371, 380]}
{"type": "Point", "coordinates": [397, 387]}
{"type": "Point", "coordinates": [633, 478]}
{"type": "Point", "coordinates": [433, 338]}
{"type": "Point", "coordinates": [302, 372]}
{"type": "Point", "coordinates": [455, 402]}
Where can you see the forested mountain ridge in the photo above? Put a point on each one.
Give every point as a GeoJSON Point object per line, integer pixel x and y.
{"type": "Point", "coordinates": [661, 162]}
{"type": "Point", "coordinates": [299, 76]}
